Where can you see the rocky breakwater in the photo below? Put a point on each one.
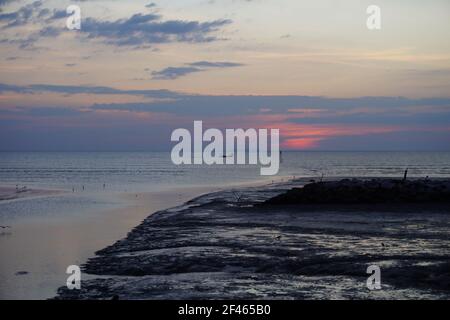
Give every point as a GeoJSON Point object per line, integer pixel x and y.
{"type": "Point", "coordinates": [373, 191]}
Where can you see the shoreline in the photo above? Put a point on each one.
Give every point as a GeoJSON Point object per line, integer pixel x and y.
{"type": "Point", "coordinates": [210, 249]}
{"type": "Point", "coordinates": [8, 193]}
{"type": "Point", "coordinates": [136, 210]}
{"type": "Point", "coordinates": [37, 250]}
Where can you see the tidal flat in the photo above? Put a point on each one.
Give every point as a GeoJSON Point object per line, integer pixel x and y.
{"type": "Point", "coordinates": [235, 245]}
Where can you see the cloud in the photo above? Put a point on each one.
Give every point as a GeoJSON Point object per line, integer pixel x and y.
{"type": "Point", "coordinates": [98, 90]}
{"type": "Point", "coordinates": [5, 2]}
{"type": "Point", "coordinates": [50, 111]}
{"type": "Point", "coordinates": [207, 64]}
{"type": "Point", "coordinates": [32, 13]}
{"type": "Point", "coordinates": [139, 30]}
{"type": "Point", "coordinates": [25, 43]}
{"type": "Point", "coordinates": [298, 110]}
{"type": "Point", "coordinates": [305, 121]}
{"type": "Point", "coordinates": [296, 107]}
{"type": "Point", "coordinates": [148, 29]}
{"type": "Point", "coordinates": [22, 16]}
{"type": "Point", "coordinates": [13, 88]}
{"type": "Point", "coordinates": [172, 73]}
{"type": "Point", "coordinates": [57, 14]}
{"type": "Point", "coordinates": [334, 109]}
{"type": "Point", "coordinates": [50, 31]}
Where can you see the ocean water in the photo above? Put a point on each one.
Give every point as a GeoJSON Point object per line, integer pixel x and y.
{"type": "Point", "coordinates": [147, 171]}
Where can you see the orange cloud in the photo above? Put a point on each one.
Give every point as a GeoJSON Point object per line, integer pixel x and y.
{"type": "Point", "coordinates": [308, 136]}
{"type": "Point", "coordinates": [298, 136]}
{"type": "Point", "coordinates": [300, 143]}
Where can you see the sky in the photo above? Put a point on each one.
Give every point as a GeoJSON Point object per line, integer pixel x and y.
{"type": "Point", "coordinates": [137, 70]}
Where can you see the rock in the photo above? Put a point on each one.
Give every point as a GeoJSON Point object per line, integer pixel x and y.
{"type": "Point", "coordinates": [358, 191]}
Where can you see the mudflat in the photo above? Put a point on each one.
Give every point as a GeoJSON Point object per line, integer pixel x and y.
{"type": "Point", "coordinates": [227, 245]}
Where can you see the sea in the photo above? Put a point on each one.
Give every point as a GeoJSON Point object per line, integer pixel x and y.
{"type": "Point", "coordinates": [145, 171]}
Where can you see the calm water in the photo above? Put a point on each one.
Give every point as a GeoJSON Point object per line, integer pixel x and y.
{"type": "Point", "coordinates": [49, 233]}
{"type": "Point", "coordinates": [154, 170]}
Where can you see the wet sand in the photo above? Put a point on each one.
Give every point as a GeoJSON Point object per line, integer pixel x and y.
{"type": "Point", "coordinates": [224, 245]}
{"type": "Point", "coordinates": [12, 193]}
{"type": "Point", "coordinates": [36, 251]}
{"type": "Point", "coordinates": [36, 247]}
